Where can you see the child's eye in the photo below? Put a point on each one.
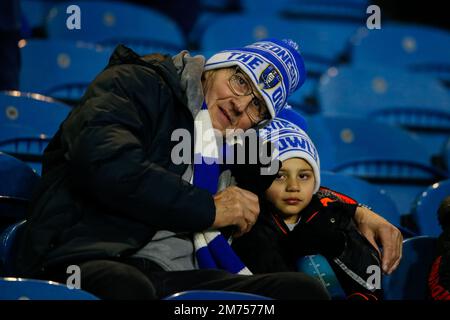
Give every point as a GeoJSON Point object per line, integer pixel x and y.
{"type": "Point", "coordinates": [280, 177]}
{"type": "Point", "coordinates": [304, 176]}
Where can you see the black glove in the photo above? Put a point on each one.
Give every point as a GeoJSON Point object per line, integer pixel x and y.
{"type": "Point", "coordinates": [249, 175]}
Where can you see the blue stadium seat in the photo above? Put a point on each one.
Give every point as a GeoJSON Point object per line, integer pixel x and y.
{"type": "Point", "coordinates": [262, 7]}
{"type": "Point", "coordinates": [321, 43]}
{"type": "Point", "coordinates": [426, 206]}
{"type": "Point", "coordinates": [7, 247]}
{"type": "Point", "coordinates": [35, 11]}
{"type": "Point", "coordinates": [416, 102]}
{"type": "Point", "coordinates": [214, 295]}
{"type": "Point", "coordinates": [115, 22]}
{"type": "Point", "coordinates": [354, 10]}
{"type": "Point", "coordinates": [17, 181]}
{"type": "Point", "coordinates": [27, 123]}
{"type": "Point", "coordinates": [59, 68]}
{"type": "Point", "coordinates": [13, 289]}
{"type": "Point", "coordinates": [318, 267]}
{"type": "Point", "coordinates": [32, 110]}
{"type": "Point", "coordinates": [446, 155]}
{"type": "Point", "coordinates": [409, 281]}
{"type": "Point", "coordinates": [363, 192]}
{"type": "Point", "coordinates": [417, 48]}
{"type": "Point", "coordinates": [220, 6]}
{"type": "Point", "coordinates": [382, 154]}
{"type": "Point", "coordinates": [30, 289]}
{"type": "Point", "coordinates": [305, 99]}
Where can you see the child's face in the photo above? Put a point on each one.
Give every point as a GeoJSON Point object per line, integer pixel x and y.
{"type": "Point", "coordinates": [292, 189]}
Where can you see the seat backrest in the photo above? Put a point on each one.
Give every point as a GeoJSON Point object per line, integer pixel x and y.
{"type": "Point", "coordinates": [409, 281]}
{"type": "Point", "coordinates": [416, 102]}
{"type": "Point", "coordinates": [17, 181]}
{"type": "Point", "coordinates": [405, 45]}
{"type": "Point", "coordinates": [370, 149]}
{"type": "Point", "coordinates": [381, 154]}
{"type": "Point", "coordinates": [35, 111]}
{"type": "Point", "coordinates": [30, 289]}
{"type": "Point", "coordinates": [426, 206]}
{"type": "Point", "coordinates": [363, 192]}
{"type": "Point", "coordinates": [354, 10]}
{"type": "Point", "coordinates": [446, 154]}
{"type": "Point", "coordinates": [103, 21]}
{"type": "Point", "coordinates": [387, 94]}
{"type": "Point", "coordinates": [54, 64]}
{"type": "Point", "coordinates": [320, 44]}
{"type": "Point", "coordinates": [7, 247]}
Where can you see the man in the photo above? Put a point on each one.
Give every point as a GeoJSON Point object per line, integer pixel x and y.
{"type": "Point", "coordinates": [114, 202]}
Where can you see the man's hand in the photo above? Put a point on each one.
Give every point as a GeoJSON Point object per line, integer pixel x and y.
{"type": "Point", "coordinates": [238, 207]}
{"type": "Point", "coordinates": [378, 230]}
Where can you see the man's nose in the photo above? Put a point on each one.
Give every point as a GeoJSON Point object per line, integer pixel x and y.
{"type": "Point", "coordinates": [240, 103]}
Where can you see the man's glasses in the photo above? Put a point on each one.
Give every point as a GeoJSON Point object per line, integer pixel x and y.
{"type": "Point", "coordinates": [241, 86]}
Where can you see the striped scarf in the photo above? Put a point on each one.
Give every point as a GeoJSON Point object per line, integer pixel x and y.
{"type": "Point", "coordinates": [212, 250]}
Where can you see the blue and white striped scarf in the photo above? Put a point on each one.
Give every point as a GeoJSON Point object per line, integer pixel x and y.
{"type": "Point", "coordinates": [212, 250]}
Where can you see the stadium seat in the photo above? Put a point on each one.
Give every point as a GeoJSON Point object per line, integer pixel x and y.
{"type": "Point", "coordinates": [321, 43]}
{"type": "Point", "coordinates": [35, 12]}
{"type": "Point", "coordinates": [418, 48]}
{"type": "Point", "coordinates": [416, 102]}
{"type": "Point", "coordinates": [59, 68]}
{"type": "Point", "coordinates": [262, 7]}
{"type": "Point", "coordinates": [409, 281]}
{"type": "Point", "coordinates": [354, 10]}
{"type": "Point", "coordinates": [384, 155]}
{"type": "Point", "coordinates": [17, 181]}
{"type": "Point", "coordinates": [305, 99]}
{"type": "Point", "coordinates": [214, 295]}
{"type": "Point", "coordinates": [446, 155]}
{"type": "Point", "coordinates": [318, 267]}
{"type": "Point", "coordinates": [363, 192]}
{"type": "Point", "coordinates": [7, 245]}
{"type": "Point", "coordinates": [27, 123]}
{"type": "Point", "coordinates": [30, 289]}
{"type": "Point", "coordinates": [115, 22]}
{"type": "Point", "coordinates": [425, 208]}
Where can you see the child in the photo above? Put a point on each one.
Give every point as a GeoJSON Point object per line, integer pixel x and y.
{"type": "Point", "coordinates": [298, 219]}
{"type": "Point", "coordinates": [439, 278]}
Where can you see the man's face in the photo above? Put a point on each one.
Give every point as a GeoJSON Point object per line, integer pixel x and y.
{"type": "Point", "coordinates": [228, 110]}
{"type": "Point", "coordinates": [292, 189]}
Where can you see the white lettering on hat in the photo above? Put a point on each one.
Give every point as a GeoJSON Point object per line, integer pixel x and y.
{"type": "Point", "coordinates": [253, 64]}
{"type": "Point", "coordinates": [298, 143]}
{"type": "Point", "coordinates": [277, 98]}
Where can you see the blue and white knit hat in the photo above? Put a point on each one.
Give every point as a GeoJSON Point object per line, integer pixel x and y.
{"type": "Point", "coordinates": [287, 134]}
{"type": "Point", "coordinates": [275, 67]}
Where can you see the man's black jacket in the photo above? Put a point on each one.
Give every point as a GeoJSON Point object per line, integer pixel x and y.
{"type": "Point", "coordinates": [108, 181]}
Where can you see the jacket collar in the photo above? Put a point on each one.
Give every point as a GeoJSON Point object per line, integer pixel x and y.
{"type": "Point", "coordinates": [161, 63]}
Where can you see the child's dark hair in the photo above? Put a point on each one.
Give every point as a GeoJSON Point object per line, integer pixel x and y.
{"type": "Point", "coordinates": [444, 213]}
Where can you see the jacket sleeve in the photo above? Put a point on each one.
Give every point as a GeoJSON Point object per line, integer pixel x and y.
{"type": "Point", "coordinates": [105, 141]}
